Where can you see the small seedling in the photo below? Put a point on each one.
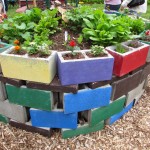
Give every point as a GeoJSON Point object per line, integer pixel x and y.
{"type": "Point", "coordinates": [97, 50]}
{"type": "Point", "coordinates": [120, 48]}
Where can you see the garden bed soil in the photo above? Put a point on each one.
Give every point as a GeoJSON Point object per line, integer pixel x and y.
{"type": "Point", "coordinates": [71, 56]}
{"type": "Point", "coordinates": [59, 40]}
{"type": "Point", "coordinates": [146, 38]}
{"type": "Point", "coordinates": [134, 44]}
{"type": "Point", "coordinates": [20, 52]}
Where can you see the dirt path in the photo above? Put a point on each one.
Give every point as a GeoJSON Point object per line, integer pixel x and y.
{"type": "Point", "coordinates": [132, 132]}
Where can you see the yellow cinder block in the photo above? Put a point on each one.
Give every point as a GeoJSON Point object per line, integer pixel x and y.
{"type": "Point", "coordinates": [27, 68]}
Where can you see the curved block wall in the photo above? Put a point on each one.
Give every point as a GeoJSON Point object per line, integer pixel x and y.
{"type": "Point", "coordinates": [74, 109]}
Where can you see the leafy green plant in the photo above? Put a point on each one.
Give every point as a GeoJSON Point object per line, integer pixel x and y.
{"type": "Point", "coordinates": [34, 48]}
{"type": "Point", "coordinates": [120, 48]}
{"type": "Point", "coordinates": [29, 25]}
{"type": "Point", "coordinates": [97, 50]}
{"type": "Point", "coordinates": [75, 17]}
{"type": "Point", "coordinates": [80, 39]}
{"type": "Point", "coordinates": [104, 29]}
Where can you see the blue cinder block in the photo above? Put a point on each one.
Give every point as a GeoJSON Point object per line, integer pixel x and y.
{"type": "Point", "coordinates": [53, 119]}
{"type": "Point", "coordinates": [87, 99]}
{"type": "Point", "coordinates": [119, 115]}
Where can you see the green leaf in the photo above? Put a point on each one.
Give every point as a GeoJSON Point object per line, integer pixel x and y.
{"type": "Point", "coordinates": [88, 23]}
{"type": "Point", "coordinates": [21, 27]}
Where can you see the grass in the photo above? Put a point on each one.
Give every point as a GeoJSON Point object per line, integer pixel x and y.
{"type": "Point", "coordinates": [12, 10]}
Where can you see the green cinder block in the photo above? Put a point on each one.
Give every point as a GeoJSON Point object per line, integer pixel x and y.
{"type": "Point", "coordinates": [84, 129]}
{"type": "Point", "coordinates": [3, 119]}
{"type": "Point", "coordinates": [102, 113]}
{"type": "Point", "coordinates": [34, 98]}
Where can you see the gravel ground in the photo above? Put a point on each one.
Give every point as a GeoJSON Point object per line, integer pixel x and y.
{"type": "Point", "coordinates": [132, 132]}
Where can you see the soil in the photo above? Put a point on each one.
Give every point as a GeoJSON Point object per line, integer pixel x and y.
{"type": "Point", "coordinates": [71, 56]}
{"type": "Point", "coordinates": [92, 56]}
{"type": "Point", "coordinates": [146, 38]}
{"type": "Point", "coordinates": [135, 44]}
{"type": "Point", "coordinates": [1, 45]}
{"type": "Point", "coordinates": [39, 56]}
{"type": "Point", "coordinates": [20, 52]}
{"type": "Point", "coordinates": [59, 39]}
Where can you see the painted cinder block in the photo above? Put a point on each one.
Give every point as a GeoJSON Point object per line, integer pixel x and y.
{"type": "Point", "coordinates": [146, 72]}
{"type": "Point", "coordinates": [4, 119]}
{"type": "Point", "coordinates": [76, 71]}
{"type": "Point", "coordinates": [39, 99]}
{"type": "Point", "coordinates": [87, 99]}
{"type": "Point", "coordinates": [53, 119]}
{"type": "Point", "coordinates": [13, 111]}
{"type": "Point", "coordinates": [103, 113]}
{"type": "Point", "coordinates": [82, 129]}
{"type": "Point", "coordinates": [126, 62]}
{"type": "Point", "coordinates": [23, 67]}
{"type": "Point", "coordinates": [135, 92]}
{"type": "Point", "coordinates": [123, 86]}
{"type": "Point", "coordinates": [28, 127]}
{"type": "Point", "coordinates": [3, 95]}
{"type": "Point", "coordinates": [11, 81]}
{"type": "Point", "coordinates": [137, 98]}
{"type": "Point", "coordinates": [54, 86]}
{"type": "Point", "coordinates": [115, 117]}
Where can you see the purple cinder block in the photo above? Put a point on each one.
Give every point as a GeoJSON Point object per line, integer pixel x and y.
{"type": "Point", "coordinates": [119, 115]}
{"type": "Point", "coordinates": [53, 119]}
{"type": "Point", "coordinates": [84, 70]}
{"type": "Point", "coordinates": [87, 99]}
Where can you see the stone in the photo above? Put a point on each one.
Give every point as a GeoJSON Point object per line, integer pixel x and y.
{"type": "Point", "coordinates": [135, 92]}
{"type": "Point", "coordinates": [13, 111]}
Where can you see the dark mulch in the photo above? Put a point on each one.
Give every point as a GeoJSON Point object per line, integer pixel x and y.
{"type": "Point", "coordinates": [59, 40]}
{"type": "Point", "coordinates": [71, 56]}
{"type": "Point", "coordinates": [20, 52]}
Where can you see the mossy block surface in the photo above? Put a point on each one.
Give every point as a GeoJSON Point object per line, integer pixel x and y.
{"type": "Point", "coordinates": [3, 119]}
{"type": "Point", "coordinates": [102, 113]}
{"type": "Point", "coordinates": [34, 98]}
{"type": "Point", "coordinates": [84, 129]}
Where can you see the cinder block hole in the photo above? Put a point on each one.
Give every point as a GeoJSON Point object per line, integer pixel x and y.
{"type": "Point", "coordinates": [28, 113]}
{"type": "Point", "coordinates": [83, 117]}
{"type": "Point", "coordinates": [57, 100]}
{"type": "Point", "coordinates": [82, 86]}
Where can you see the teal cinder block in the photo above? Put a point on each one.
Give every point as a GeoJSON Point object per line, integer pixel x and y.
{"type": "Point", "coordinates": [87, 99]}
{"type": "Point", "coordinates": [103, 113]}
{"type": "Point", "coordinates": [34, 98]}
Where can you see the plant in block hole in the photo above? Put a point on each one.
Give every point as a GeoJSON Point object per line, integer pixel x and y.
{"type": "Point", "coordinates": [120, 48]}
{"type": "Point", "coordinates": [97, 50]}
{"type": "Point", "coordinates": [72, 47]}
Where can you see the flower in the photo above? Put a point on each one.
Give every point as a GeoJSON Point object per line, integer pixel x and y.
{"type": "Point", "coordinates": [16, 42]}
{"type": "Point", "coordinates": [17, 48]}
{"type": "Point", "coordinates": [72, 43]}
{"type": "Point", "coordinates": [147, 32]}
